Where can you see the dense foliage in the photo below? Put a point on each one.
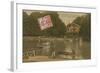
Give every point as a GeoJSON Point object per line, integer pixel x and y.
{"type": "Point", "coordinates": [85, 24]}
{"type": "Point", "coordinates": [31, 25]}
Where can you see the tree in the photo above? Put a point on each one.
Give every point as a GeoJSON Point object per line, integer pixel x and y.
{"type": "Point", "coordinates": [85, 24]}
{"type": "Point", "coordinates": [31, 25]}
{"type": "Point", "coordinates": [26, 22]}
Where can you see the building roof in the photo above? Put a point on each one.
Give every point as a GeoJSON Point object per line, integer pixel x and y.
{"type": "Point", "coordinates": [73, 27]}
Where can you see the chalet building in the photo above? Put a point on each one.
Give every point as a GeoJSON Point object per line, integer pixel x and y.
{"type": "Point", "coordinates": [73, 28]}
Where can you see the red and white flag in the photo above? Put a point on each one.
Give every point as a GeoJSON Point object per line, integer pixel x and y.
{"type": "Point", "coordinates": [45, 22]}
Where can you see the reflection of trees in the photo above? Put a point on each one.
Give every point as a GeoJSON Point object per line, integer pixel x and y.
{"type": "Point", "coordinates": [85, 24]}
{"type": "Point", "coordinates": [31, 26]}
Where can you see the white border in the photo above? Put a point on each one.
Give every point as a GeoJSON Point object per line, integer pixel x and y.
{"type": "Point", "coordinates": [17, 38]}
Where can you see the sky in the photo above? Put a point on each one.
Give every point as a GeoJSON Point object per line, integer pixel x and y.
{"type": "Point", "coordinates": [66, 17]}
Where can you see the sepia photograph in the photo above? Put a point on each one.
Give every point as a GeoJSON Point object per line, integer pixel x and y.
{"type": "Point", "coordinates": [50, 36]}
{"type": "Point", "coordinates": [55, 36]}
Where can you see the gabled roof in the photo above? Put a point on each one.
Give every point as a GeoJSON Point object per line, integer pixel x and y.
{"type": "Point", "coordinates": [73, 24]}
{"type": "Point", "coordinates": [73, 28]}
